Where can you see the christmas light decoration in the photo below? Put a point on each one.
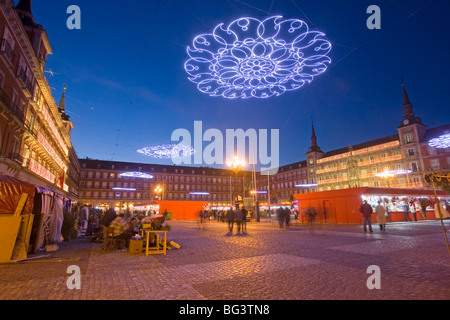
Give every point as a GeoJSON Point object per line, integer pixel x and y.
{"type": "Point", "coordinates": [124, 189]}
{"type": "Point", "coordinates": [440, 142]}
{"type": "Point", "coordinates": [257, 58]}
{"type": "Point", "coordinates": [257, 192]}
{"type": "Point", "coordinates": [306, 185]}
{"type": "Point", "coordinates": [390, 174]}
{"type": "Point", "coordinates": [199, 193]}
{"type": "Point", "coordinates": [141, 175]}
{"type": "Point", "coordinates": [167, 151]}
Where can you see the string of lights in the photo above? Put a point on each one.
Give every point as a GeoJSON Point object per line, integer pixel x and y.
{"type": "Point", "coordinates": [257, 58]}
{"type": "Point", "coordinates": [167, 151]}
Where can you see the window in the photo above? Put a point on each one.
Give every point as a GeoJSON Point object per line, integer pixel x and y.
{"type": "Point", "coordinates": [411, 152]}
{"type": "Point", "coordinates": [408, 138]}
{"type": "Point", "coordinates": [434, 164]}
{"type": "Point", "coordinates": [8, 43]}
{"type": "Point", "coordinates": [431, 150]}
{"type": "Point", "coordinates": [414, 167]}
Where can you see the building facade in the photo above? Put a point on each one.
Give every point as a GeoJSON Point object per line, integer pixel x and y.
{"type": "Point", "coordinates": [35, 143]}
{"type": "Point", "coordinates": [349, 167]}
{"type": "Point", "coordinates": [360, 165]}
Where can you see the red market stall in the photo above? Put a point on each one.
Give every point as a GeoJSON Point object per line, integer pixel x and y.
{"type": "Point", "coordinates": [342, 206]}
{"type": "Point", "coordinates": [181, 210]}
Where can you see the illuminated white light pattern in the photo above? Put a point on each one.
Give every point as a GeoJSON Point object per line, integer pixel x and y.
{"type": "Point", "coordinates": [306, 185]}
{"type": "Point", "coordinates": [440, 142]}
{"type": "Point", "coordinates": [252, 58]}
{"type": "Point", "coordinates": [199, 193]}
{"type": "Point", "coordinates": [167, 151]}
{"type": "Point", "coordinates": [392, 173]}
{"type": "Point", "coordinates": [136, 175]}
{"type": "Point", "coordinates": [125, 189]}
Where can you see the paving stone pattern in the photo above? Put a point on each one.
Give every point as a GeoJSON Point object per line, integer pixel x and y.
{"type": "Point", "coordinates": [326, 262]}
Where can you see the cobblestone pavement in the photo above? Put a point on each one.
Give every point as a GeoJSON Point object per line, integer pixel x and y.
{"type": "Point", "coordinates": [268, 263]}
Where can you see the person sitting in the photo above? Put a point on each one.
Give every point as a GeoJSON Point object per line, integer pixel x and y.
{"type": "Point", "coordinates": [121, 228]}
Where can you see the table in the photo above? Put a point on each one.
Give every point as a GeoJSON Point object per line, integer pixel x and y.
{"type": "Point", "coordinates": [157, 249]}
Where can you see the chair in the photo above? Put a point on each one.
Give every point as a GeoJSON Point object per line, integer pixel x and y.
{"type": "Point", "coordinates": [114, 243]}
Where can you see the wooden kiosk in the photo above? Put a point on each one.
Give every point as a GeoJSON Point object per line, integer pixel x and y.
{"type": "Point", "coordinates": [342, 206]}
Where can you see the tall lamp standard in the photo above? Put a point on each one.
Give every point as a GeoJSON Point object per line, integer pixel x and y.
{"type": "Point", "coordinates": [236, 165]}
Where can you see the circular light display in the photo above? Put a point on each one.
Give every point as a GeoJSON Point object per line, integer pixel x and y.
{"type": "Point", "coordinates": [141, 175]}
{"type": "Point", "coordinates": [257, 58]}
{"type": "Point", "coordinates": [440, 142]}
{"type": "Point", "coordinates": [167, 151]}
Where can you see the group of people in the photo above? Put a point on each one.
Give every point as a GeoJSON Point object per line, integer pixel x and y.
{"type": "Point", "coordinates": [284, 216]}
{"type": "Point", "coordinates": [95, 223]}
{"type": "Point", "coordinates": [240, 217]}
{"type": "Point", "coordinates": [381, 213]}
{"type": "Point", "coordinates": [366, 211]}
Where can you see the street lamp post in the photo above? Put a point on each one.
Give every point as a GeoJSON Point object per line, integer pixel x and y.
{"type": "Point", "coordinates": [158, 190]}
{"type": "Point", "coordinates": [236, 165]}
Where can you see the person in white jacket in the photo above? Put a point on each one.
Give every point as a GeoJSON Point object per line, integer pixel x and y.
{"type": "Point", "coordinates": [380, 212]}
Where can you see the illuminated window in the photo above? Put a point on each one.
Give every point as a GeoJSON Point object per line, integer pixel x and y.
{"type": "Point", "coordinates": [408, 138]}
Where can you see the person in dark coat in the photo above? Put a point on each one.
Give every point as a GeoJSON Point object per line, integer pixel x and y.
{"type": "Point", "coordinates": [230, 219]}
{"type": "Point", "coordinates": [244, 221]}
{"type": "Point", "coordinates": [287, 216]}
{"type": "Point", "coordinates": [239, 217]}
{"type": "Point", "coordinates": [366, 211]}
{"type": "Point", "coordinates": [280, 216]}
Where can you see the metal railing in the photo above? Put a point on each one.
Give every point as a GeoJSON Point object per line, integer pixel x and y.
{"type": "Point", "coordinates": [13, 107]}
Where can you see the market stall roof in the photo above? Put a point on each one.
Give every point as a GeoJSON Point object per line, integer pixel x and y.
{"type": "Point", "coordinates": [11, 189]}
{"type": "Point", "coordinates": [370, 191]}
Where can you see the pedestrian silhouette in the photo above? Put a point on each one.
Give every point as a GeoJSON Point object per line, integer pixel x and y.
{"type": "Point", "coordinates": [230, 219]}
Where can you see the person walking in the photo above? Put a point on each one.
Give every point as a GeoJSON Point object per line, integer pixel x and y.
{"type": "Point", "coordinates": [244, 221]}
{"type": "Point", "coordinates": [380, 211]}
{"type": "Point", "coordinates": [366, 211]}
{"type": "Point", "coordinates": [287, 216]}
{"type": "Point", "coordinates": [230, 220]}
{"type": "Point", "coordinates": [280, 216]}
{"type": "Point", "coordinates": [239, 216]}
{"type": "Point", "coordinates": [413, 210]}
{"type": "Point", "coordinates": [311, 213]}
{"type": "Point", "coordinates": [83, 218]}
{"type": "Point", "coordinates": [406, 211]}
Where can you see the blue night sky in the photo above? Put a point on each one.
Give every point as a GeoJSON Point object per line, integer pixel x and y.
{"type": "Point", "coordinates": [125, 71]}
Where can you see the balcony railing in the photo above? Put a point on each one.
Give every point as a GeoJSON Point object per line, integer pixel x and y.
{"type": "Point", "coordinates": [16, 157]}
{"type": "Point", "coordinates": [27, 83]}
{"type": "Point", "coordinates": [12, 106]}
